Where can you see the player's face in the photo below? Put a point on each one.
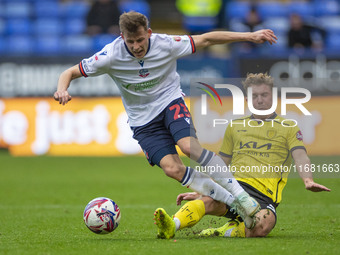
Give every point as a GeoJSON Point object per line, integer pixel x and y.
{"type": "Point", "coordinates": [262, 97]}
{"type": "Point", "coordinates": [138, 42]}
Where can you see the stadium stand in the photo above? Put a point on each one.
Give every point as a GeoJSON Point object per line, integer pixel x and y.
{"type": "Point", "coordinates": [58, 27]}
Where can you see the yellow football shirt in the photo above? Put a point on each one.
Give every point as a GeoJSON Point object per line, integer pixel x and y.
{"type": "Point", "coordinates": [261, 152]}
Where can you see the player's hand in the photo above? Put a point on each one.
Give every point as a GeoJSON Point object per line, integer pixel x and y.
{"type": "Point", "coordinates": [263, 35]}
{"type": "Point", "coordinates": [315, 187]}
{"type": "Point", "coordinates": [187, 196]}
{"type": "Point", "coordinates": [62, 96]}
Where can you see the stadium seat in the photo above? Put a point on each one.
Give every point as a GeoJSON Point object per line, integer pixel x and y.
{"type": "Point", "coordinates": [199, 24]}
{"type": "Point", "coordinates": [327, 8]}
{"type": "Point", "coordinates": [20, 9]}
{"type": "Point", "coordinates": [19, 27]}
{"type": "Point", "coordinates": [332, 41]}
{"type": "Point", "coordinates": [272, 9]}
{"type": "Point", "coordinates": [46, 26]}
{"type": "Point", "coordinates": [46, 45]}
{"type": "Point", "coordinates": [138, 6]}
{"type": "Point", "coordinates": [331, 24]}
{"type": "Point", "coordinates": [237, 10]}
{"type": "Point", "coordinates": [99, 41]}
{"type": "Point", "coordinates": [238, 26]}
{"type": "Point", "coordinates": [74, 26]}
{"type": "Point", "coordinates": [77, 44]}
{"type": "Point", "coordinates": [75, 9]}
{"type": "Point", "coordinates": [2, 27]}
{"type": "Point", "coordinates": [48, 9]}
{"type": "Point", "coordinates": [19, 45]}
{"type": "Point", "coordinates": [277, 24]}
{"type": "Point", "coordinates": [304, 9]}
{"type": "Point", "coordinates": [2, 11]}
{"type": "Point", "coordinates": [2, 45]}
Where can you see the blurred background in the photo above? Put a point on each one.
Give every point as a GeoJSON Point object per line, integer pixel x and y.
{"type": "Point", "coordinates": [41, 38]}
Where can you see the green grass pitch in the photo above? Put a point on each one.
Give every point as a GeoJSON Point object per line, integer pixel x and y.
{"type": "Point", "coordinates": [42, 201]}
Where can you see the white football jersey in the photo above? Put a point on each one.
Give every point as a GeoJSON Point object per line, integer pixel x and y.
{"type": "Point", "coordinates": [146, 85]}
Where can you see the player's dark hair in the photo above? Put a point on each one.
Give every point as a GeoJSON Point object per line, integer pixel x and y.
{"type": "Point", "coordinates": [131, 21]}
{"type": "Point", "coordinates": [257, 79]}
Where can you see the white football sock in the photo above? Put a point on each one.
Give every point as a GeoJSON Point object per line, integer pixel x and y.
{"type": "Point", "coordinates": [215, 167]}
{"type": "Point", "coordinates": [204, 185]}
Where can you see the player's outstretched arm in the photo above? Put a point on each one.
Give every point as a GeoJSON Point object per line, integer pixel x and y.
{"type": "Point", "coordinates": [64, 81]}
{"type": "Point", "coordinates": [222, 37]}
{"type": "Point", "coordinates": [302, 163]}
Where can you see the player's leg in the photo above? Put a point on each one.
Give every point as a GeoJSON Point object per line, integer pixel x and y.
{"type": "Point", "coordinates": [179, 123]}
{"type": "Point", "coordinates": [187, 216]}
{"type": "Point", "coordinates": [197, 181]}
{"type": "Point", "coordinates": [219, 172]}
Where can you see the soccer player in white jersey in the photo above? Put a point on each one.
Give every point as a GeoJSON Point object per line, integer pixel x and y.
{"type": "Point", "coordinates": [143, 66]}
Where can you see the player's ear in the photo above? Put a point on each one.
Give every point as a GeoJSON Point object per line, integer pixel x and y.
{"type": "Point", "coordinates": [121, 34]}
{"type": "Point", "coordinates": [149, 32]}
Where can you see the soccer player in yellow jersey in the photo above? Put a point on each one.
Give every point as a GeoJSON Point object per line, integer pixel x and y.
{"type": "Point", "coordinates": [259, 150]}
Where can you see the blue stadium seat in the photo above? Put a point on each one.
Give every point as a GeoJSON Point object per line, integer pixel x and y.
{"type": "Point", "coordinates": [2, 27]}
{"type": "Point", "coordinates": [133, 5]}
{"type": "Point", "coordinates": [2, 46]}
{"type": "Point", "coordinates": [237, 10]}
{"type": "Point", "coordinates": [18, 10]}
{"type": "Point", "coordinates": [199, 24]}
{"type": "Point", "coordinates": [304, 9]}
{"type": "Point", "coordinates": [48, 9]}
{"type": "Point", "coordinates": [237, 25]}
{"type": "Point", "coordinates": [46, 26]}
{"type": "Point", "coordinates": [327, 8]}
{"type": "Point", "coordinates": [74, 26]}
{"type": "Point", "coordinates": [46, 45]}
{"type": "Point", "coordinates": [75, 9]}
{"type": "Point", "coordinates": [19, 27]}
{"type": "Point", "coordinates": [277, 24]}
{"type": "Point", "coordinates": [2, 10]}
{"type": "Point", "coordinates": [332, 41]}
{"type": "Point", "coordinates": [77, 44]}
{"type": "Point", "coordinates": [272, 9]}
{"type": "Point", "coordinates": [19, 45]}
{"type": "Point", "coordinates": [99, 41]}
{"type": "Point", "coordinates": [331, 24]}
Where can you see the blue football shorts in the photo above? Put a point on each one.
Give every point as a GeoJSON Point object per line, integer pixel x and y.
{"type": "Point", "coordinates": [159, 137]}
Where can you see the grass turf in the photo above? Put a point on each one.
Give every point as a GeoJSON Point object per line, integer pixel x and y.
{"type": "Point", "coordinates": [42, 200]}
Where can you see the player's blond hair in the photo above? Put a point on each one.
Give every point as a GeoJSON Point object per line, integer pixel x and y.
{"type": "Point", "coordinates": [131, 21]}
{"type": "Point", "coordinates": [257, 79]}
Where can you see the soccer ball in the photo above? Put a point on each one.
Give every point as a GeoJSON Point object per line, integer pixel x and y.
{"type": "Point", "coordinates": [102, 215]}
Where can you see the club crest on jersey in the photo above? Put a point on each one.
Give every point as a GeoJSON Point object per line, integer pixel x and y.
{"type": "Point", "coordinates": [143, 73]}
{"type": "Point", "coordinates": [177, 38]}
{"type": "Point", "coordinates": [299, 135]}
{"type": "Point", "coordinates": [271, 133]}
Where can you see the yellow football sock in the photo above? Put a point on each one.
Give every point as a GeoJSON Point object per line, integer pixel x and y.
{"type": "Point", "coordinates": [190, 213]}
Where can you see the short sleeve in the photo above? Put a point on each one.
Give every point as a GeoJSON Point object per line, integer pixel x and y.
{"type": "Point", "coordinates": [182, 45]}
{"type": "Point", "coordinates": [227, 144]}
{"type": "Point", "coordinates": [95, 65]}
{"type": "Point", "coordinates": [295, 139]}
